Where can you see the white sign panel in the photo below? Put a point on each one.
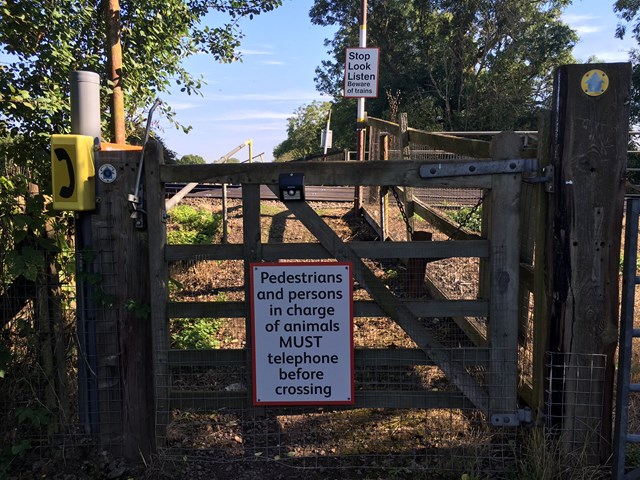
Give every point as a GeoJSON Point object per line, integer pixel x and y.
{"type": "Point", "coordinates": [361, 72]}
{"type": "Point", "coordinates": [302, 333]}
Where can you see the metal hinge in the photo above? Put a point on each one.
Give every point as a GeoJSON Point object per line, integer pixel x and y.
{"type": "Point", "coordinates": [546, 178]}
{"type": "Point", "coordinates": [514, 419]}
{"type": "Point", "coordinates": [484, 167]}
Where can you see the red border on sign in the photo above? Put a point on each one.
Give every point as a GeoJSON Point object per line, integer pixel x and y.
{"type": "Point", "coordinates": [344, 83]}
{"type": "Point", "coordinates": [349, 265]}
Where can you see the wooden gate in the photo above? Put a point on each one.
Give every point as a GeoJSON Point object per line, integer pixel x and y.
{"type": "Point", "coordinates": [493, 392]}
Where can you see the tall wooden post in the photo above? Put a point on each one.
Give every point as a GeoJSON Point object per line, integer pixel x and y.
{"type": "Point", "coordinates": [123, 328]}
{"type": "Point", "coordinates": [589, 143]}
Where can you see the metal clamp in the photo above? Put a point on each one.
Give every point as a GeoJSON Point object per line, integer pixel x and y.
{"type": "Point", "coordinates": [513, 419]}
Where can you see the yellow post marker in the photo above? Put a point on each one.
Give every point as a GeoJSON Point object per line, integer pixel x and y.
{"type": "Point", "coordinates": [73, 172]}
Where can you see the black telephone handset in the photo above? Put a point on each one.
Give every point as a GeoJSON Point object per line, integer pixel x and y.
{"type": "Point", "coordinates": [66, 191]}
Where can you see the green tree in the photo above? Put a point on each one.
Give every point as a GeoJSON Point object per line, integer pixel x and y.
{"type": "Point", "coordinates": [191, 160]}
{"type": "Point", "coordinates": [303, 132]}
{"type": "Point", "coordinates": [47, 40]}
{"type": "Point", "coordinates": [629, 14]}
{"type": "Point", "coordinates": [457, 64]}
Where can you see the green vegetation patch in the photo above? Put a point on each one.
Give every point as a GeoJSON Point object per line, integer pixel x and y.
{"type": "Point", "coordinates": [191, 225]}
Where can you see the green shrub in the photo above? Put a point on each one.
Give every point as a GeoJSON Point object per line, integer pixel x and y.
{"type": "Point", "coordinates": [467, 218]}
{"type": "Point", "coordinates": [190, 225]}
{"type": "Point", "coordinates": [194, 333]}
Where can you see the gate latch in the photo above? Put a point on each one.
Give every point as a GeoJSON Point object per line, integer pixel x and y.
{"type": "Point", "coordinates": [513, 419]}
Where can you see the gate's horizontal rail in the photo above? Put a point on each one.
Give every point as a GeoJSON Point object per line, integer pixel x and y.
{"type": "Point", "coordinates": [374, 173]}
{"type": "Point", "coordinates": [314, 251]}
{"type": "Point", "coordinates": [363, 357]}
{"type": "Point", "coordinates": [199, 400]}
{"type": "Point", "coordinates": [423, 309]}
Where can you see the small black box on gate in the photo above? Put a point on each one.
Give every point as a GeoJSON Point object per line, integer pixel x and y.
{"type": "Point", "coordinates": [291, 186]}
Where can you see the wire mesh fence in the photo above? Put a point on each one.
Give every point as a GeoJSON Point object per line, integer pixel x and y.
{"type": "Point", "coordinates": [410, 417]}
{"type": "Point", "coordinates": [212, 417]}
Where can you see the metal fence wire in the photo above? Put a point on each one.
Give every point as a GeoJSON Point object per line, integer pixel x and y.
{"type": "Point", "coordinates": [59, 388]}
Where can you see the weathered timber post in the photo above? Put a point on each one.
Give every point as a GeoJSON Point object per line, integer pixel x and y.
{"type": "Point", "coordinates": [123, 328]}
{"type": "Point", "coordinates": [589, 143]}
{"type": "Point", "coordinates": [384, 191]}
{"type": "Point", "coordinates": [158, 285]}
{"type": "Point", "coordinates": [504, 276]}
{"type": "Point", "coordinates": [405, 149]}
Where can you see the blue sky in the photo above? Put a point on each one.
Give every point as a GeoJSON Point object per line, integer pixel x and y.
{"type": "Point", "coordinates": [252, 99]}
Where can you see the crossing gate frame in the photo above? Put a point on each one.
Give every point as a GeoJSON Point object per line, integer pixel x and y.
{"type": "Point", "coordinates": [497, 399]}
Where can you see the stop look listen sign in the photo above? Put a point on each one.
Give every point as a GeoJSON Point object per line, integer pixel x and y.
{"type": "Point", "coordinates": [361, 72]}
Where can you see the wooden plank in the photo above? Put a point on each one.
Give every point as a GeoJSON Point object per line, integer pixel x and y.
{"type": "Point", "coordinates": [252, 252]}
{"type": "Point", "coordinates": [540, 311]}
{"type": "Point", "coordinates": [437, 141]}
{"type": "Point", "coordinates": [392, 305]}
{"type": "Point", "coordinates": [158, 286]}
{"type": "Point", "coordinates": [449, 143]}
{"type": "Point", "coordinates": [383, 125]}
{"type": "Point", "coordinates": [367, 357]}
{"type": "Point", "coordinates": [405, 150]}
{"type": "Point", "coordinates": [309, 251]}
{"type": "Point", "coordinates": [464, 319]}
{"type": "Point", "coordinates": [370, 218]}
{"type": "Point", "coordinates": [502, 330]}
{"type": "Point", "coordinates": [442, 223]}
{"type": "Point", "coordinates": [376, 173]}
{"type": "Point", "coordinates": [202, 400]}
{"type": "Point", "coordinates": [419, 308]}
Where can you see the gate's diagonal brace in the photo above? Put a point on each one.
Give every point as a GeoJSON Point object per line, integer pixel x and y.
{"type": "Point", "coordinates": [392, 306]}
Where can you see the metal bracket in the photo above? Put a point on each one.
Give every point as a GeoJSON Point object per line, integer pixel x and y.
{"type": "Point", "coordinates": [514, 419]}
{"type": "Point", "coordinates": [546, 178]}
{"type": "Point", "coordinates": [136, 198]}
{"type": "Point", "coordinates": [484, 167]}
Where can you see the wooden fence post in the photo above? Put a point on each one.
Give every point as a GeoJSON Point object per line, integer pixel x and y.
{"type": "Point", "coordinates": [504, 277]}
{"type": "Point", "coordinates": [120, 260]}
{"type": "Point", "coordinates": [589, 144]}
{"type": "Point", "coordinates": [405, 149]}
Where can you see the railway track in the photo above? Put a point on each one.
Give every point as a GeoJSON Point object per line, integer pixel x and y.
{"type": "Point", "coordinates": [313, 193]}
{"type": "Point", "coordinates": [430, 196]}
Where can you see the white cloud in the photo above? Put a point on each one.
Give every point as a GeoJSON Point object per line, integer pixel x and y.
{"type": "Point", "coordinates": [587, 29]}
{"type": "Point", "coordinates": [299, 96]}
{"type": "Point", "coordinates": [256, 52]}
{"type": "Point", "coordinates": [242, 116]}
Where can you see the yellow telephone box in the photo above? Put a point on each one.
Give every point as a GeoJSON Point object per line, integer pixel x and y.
{"type": "Point", "coordinates": [73, 171]}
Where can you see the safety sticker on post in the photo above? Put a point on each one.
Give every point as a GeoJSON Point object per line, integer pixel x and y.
{"type": "Point", "coordinates": [302, 333]}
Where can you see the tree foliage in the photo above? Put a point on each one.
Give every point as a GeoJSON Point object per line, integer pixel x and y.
{"type": "Point", "coordinates": [629, 13]}
{"type": "Point", "coordinates": [303, 132]}
{"type": "Point", "coordinates": [47, 40]}
{"type": "Point", "coordinates": [191, 159]}
{"type": "Point", "coordinates": [455, 64]}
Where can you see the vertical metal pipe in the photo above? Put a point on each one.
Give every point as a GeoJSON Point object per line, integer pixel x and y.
{"type": "Point", "coordinates": [85, 120]}
{"type": "Point", "coordinates": [361, 139]}
{"type": "Point", "coordinates": [362, 44]}
{"type": "Point", "coordinates": [85, 103]}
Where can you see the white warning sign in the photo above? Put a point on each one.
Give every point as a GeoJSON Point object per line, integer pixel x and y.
{"type": "Point", "coordinates": [302, 333]}
{"type": "Point", "coordinates": [361, 72]}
